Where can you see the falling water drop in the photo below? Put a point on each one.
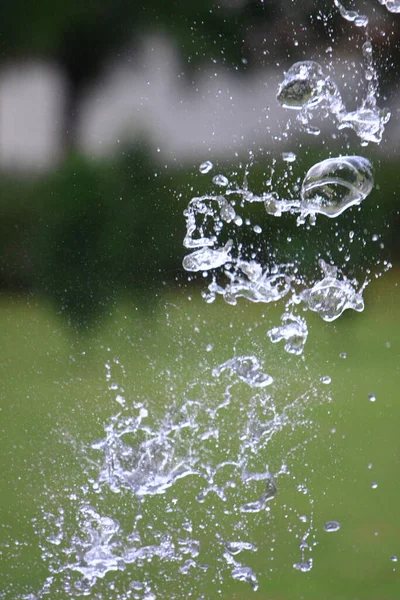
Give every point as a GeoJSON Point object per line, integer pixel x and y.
{"type": "Point", "coordinates": [293, 332]}
{"type": "Point", "coordinates": [220, 180]}
{"type": "Point", "coordinates": [331, 296]}
{"type": "Point", "coordinates": [247, 368]}
{"type": "Point", "coordinates": [205, 167]}
{"type": "Point", "coordinates": [207, 258]}
{"type": "Point", "coordinates": [335, 184]}
{"type": "Point", "coordinates": [332, 526]}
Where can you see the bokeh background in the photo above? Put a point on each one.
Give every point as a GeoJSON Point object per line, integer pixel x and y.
{"type": "Point", "coordinates": [107, 108]}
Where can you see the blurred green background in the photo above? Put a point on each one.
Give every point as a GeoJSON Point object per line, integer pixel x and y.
{"type": "Point", "coordinates": [91, 253]}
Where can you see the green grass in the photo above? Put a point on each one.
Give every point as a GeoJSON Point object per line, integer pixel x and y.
{"type": "Point", "coordinates": [55, 399]}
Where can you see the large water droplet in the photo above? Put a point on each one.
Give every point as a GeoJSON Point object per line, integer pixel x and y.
{"type": "Point", "coordinates": [303, 84]}
{"type": "Point", "coordinates": [368, 123]}
{"type": "Point", "coordinates": [334, 184]}
{"type": "Point", "coordinates": [332, 526]}
{"type": "Point", "coordinates": [293, 331]}
{"type": "Point", "coordinates": [250, 282]}
{"type": "Point", "coordinates": [331, 296]}
{"type": "Point", "coordinates": [205, 167]}
{"type": "Point", "coordinates": [207, 258]}
{"type": "Point", "coordinates": [220, 180]}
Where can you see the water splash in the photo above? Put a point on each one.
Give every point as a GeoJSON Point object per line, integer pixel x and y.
{"type": "Point", "coordinates": [308, 90]}
{"type": "Point", "coordinates": [293, 332]}
{"type": "Point", "coordinates": [206, 259]}
{"type": "Point", "coordinates": [331, 296]}
{"type": "Point", "coordinates": [247, 368]}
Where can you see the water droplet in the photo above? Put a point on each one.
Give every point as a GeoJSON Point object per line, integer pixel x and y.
{"type": "Point", "coordinates": [207, 258]}
{"type": "Point", "coordinates": [374, 485]}
{"type": "Point", "coordinates": [326, 379]}
{"type": "Point", "coordinates": [205, 167]}
{"type": "Point", "coordinates": [289, 157]}
{"type": "Point", "coordinates": [332, 526]}
{"type": "Point", "coordinates": [394, 558]}
{"type": "Point", "coordinates": [343, 355]}
{"type": "Point", "coordinates": [393, 6]}
{"type": "Point", "coordinates": [220, 180]}
{"type": "Point", "coordinates": [335, 184]}
{"type": "Point", "coordinates": [293, 331]}
{"type": "Point", "coordinates": [330, 297]}
{"type": "Point", "coordinates": [371, 397]}
{"type": "Point", "coordinates": [303, 84]}
{"type": "Point", "coordinates": [251, 282]}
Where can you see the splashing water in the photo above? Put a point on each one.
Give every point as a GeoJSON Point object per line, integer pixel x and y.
{"type": "Point", "coordinates": [247, 368]}
{"type": "Point", "coordinates": [308, 90]}
{"type": "Point", "coordinates": [331, 296]}
{"type": "Point", "coordinates": [155, 481]}
{"type": "Point", "coordinates": [293, 332]}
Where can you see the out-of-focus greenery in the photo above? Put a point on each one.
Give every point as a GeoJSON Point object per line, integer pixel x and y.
{"type": "Point", "coordinates": [91, 231]}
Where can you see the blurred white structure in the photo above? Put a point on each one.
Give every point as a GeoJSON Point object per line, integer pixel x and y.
{"type": "Point", "coordinates": [31, 116]}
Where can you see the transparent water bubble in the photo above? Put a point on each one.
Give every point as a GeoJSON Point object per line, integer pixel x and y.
{"type": "Point", "coordinates": [371, 397]}
{"type": "Point", "coordinates": [326, 379]}
{"type": "Point", "coordinates": [374, 485]}
{"type": "Point", "coordinates": [207, 258]}
{"type": "Point", "coordinates": [394, 558]}
{"type": "Point", "coordinates": [335, 184]}
{"type": "Point", "coordinates": [293, 332]}
{"type": "Point", "coordinates": [330, 297]}
{"type": "Point", "coordinates": [332, 526]}
{"type": "Point", "coordinates": [205, 167]}
{"type": "Point", "coordinates": [247, 369]}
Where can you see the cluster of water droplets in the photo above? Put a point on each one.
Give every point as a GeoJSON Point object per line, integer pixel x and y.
{"type": "Point", "coordinates": [308, 90]}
